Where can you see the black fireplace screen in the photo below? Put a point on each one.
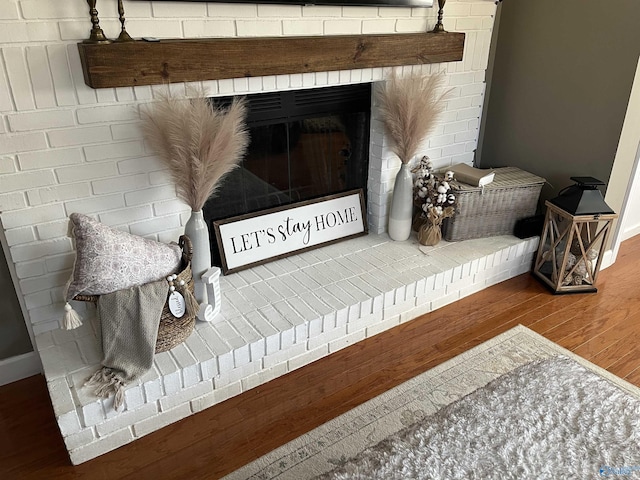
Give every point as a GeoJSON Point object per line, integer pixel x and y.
{"type": "Point", "coordinates": [304, 144]}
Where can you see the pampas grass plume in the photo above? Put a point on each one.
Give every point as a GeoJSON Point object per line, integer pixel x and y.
{"type": "Point", "coordinates": [410, 107]}
{"type": "Point", "coordinates": [198, 142]}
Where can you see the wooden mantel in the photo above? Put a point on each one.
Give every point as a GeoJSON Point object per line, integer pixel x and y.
{"type": "Point", "coordinates": [177, 60]}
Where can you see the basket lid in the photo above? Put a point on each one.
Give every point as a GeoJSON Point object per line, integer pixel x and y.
{"type": "Point", "coordinates": [505, 177]}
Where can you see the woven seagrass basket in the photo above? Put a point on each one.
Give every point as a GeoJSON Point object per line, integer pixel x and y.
{"type": "Point", "coordinates": [494, 210]}
{"type": "Point", "coordinates": [172, 331]}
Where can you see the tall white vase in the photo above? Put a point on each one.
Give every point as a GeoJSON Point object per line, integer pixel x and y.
{"type": "Point", "coordinates": [198, 231]}
{"type": "Point", "coordinates": [401, 212]}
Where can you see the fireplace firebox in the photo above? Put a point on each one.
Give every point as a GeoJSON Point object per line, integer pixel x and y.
{"type": "Point", "coordinates": [304, 144]}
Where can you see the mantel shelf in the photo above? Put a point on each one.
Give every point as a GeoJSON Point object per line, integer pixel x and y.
{"type": "Point", "coordinates": [178, 60]}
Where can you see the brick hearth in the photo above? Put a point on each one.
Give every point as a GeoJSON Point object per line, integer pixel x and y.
{"type": "Point", "coordinates": [275, 318]}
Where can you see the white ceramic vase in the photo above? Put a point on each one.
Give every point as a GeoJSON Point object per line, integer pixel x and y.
{"type": "Point", "coordinates": [401, 212]}
{"type": "Point", "coordinates": [197, 230]}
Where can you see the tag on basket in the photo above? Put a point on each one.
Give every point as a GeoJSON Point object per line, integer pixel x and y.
{"type": "Point", "coordinates": [177, 305]}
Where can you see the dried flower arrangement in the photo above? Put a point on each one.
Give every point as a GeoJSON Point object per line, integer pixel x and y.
{"type": "Point", "coordinates": [198, 141]}
{"type": "Point", "coordinates": [410, 106]}
{"type": "Point", "coordinates": [435, 201]}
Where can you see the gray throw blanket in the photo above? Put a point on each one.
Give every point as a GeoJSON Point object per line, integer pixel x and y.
{"type": "Point", "coordinates": [130, 320]}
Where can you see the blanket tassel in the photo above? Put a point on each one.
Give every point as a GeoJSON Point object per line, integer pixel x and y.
{"type": "Point", "coordinates": [106, 382]}
{"type": "Point", "coordinates": [71, 319]}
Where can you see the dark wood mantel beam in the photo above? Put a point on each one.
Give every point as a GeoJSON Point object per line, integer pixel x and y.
{"type": "Point", "coordinates": [167, 61]}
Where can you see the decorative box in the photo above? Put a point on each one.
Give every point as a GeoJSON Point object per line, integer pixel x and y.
{"type": "Point", "coordinates": [495, 208]}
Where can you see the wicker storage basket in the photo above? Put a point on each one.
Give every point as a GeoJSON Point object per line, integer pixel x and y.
{"type": "Point", "coordinates": [511, 196]}
{"type": "Point", "coordinates": [172, 330]}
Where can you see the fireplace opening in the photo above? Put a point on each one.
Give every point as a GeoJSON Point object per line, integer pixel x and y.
{"type": "Point", "coordinates": [304, 144]}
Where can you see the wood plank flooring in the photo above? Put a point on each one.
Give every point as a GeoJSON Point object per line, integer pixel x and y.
{"type": "Point", "coordinates": [603, 328]}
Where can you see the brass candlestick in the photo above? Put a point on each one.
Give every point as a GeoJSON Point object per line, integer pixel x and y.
{"type": "Point", "coordinates": [97, 35]}
{"type": "Point", "coordinates": [439, 28]}
{"type": "Point", "coordinates": [124, 36]}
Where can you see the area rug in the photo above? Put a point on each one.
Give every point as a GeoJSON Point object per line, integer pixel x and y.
{"type": "Point", "coordinates": [515, 407]}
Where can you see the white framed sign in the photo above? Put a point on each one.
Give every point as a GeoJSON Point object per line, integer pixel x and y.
{"type": "Point", "coordinates": [261, 237]}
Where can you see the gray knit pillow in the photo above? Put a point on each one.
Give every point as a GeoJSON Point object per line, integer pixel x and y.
{"type": "Point", "coordinates": [108, 259]}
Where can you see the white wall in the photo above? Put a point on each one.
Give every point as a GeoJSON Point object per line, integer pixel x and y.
{"type": "Point", "coordinates": [65, 147]}
{"type": "Point", "coordinates": [624, 192]}
{"type": "Point", "coordinates": [631, 221]}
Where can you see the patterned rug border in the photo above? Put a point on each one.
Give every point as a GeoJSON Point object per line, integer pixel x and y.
{"type": "Point", "coordinates": [515, 347]}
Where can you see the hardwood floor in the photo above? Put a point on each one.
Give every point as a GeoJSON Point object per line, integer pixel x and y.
{"type": "Point", "coordinates": [603, 328]}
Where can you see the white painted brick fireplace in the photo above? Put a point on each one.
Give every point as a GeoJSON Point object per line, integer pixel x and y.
{"type": "Point", "coordinates": [65, 148]}
{"type": "Point", "coordinates": [275, 318]}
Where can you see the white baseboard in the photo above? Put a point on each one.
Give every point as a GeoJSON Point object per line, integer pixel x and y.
{"type": "Point", "coordinates": [19, 367]}
{"type": "Point", "coordinates": [607, 259]}
{"type": "Point", "coordinates": [632, 232]}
